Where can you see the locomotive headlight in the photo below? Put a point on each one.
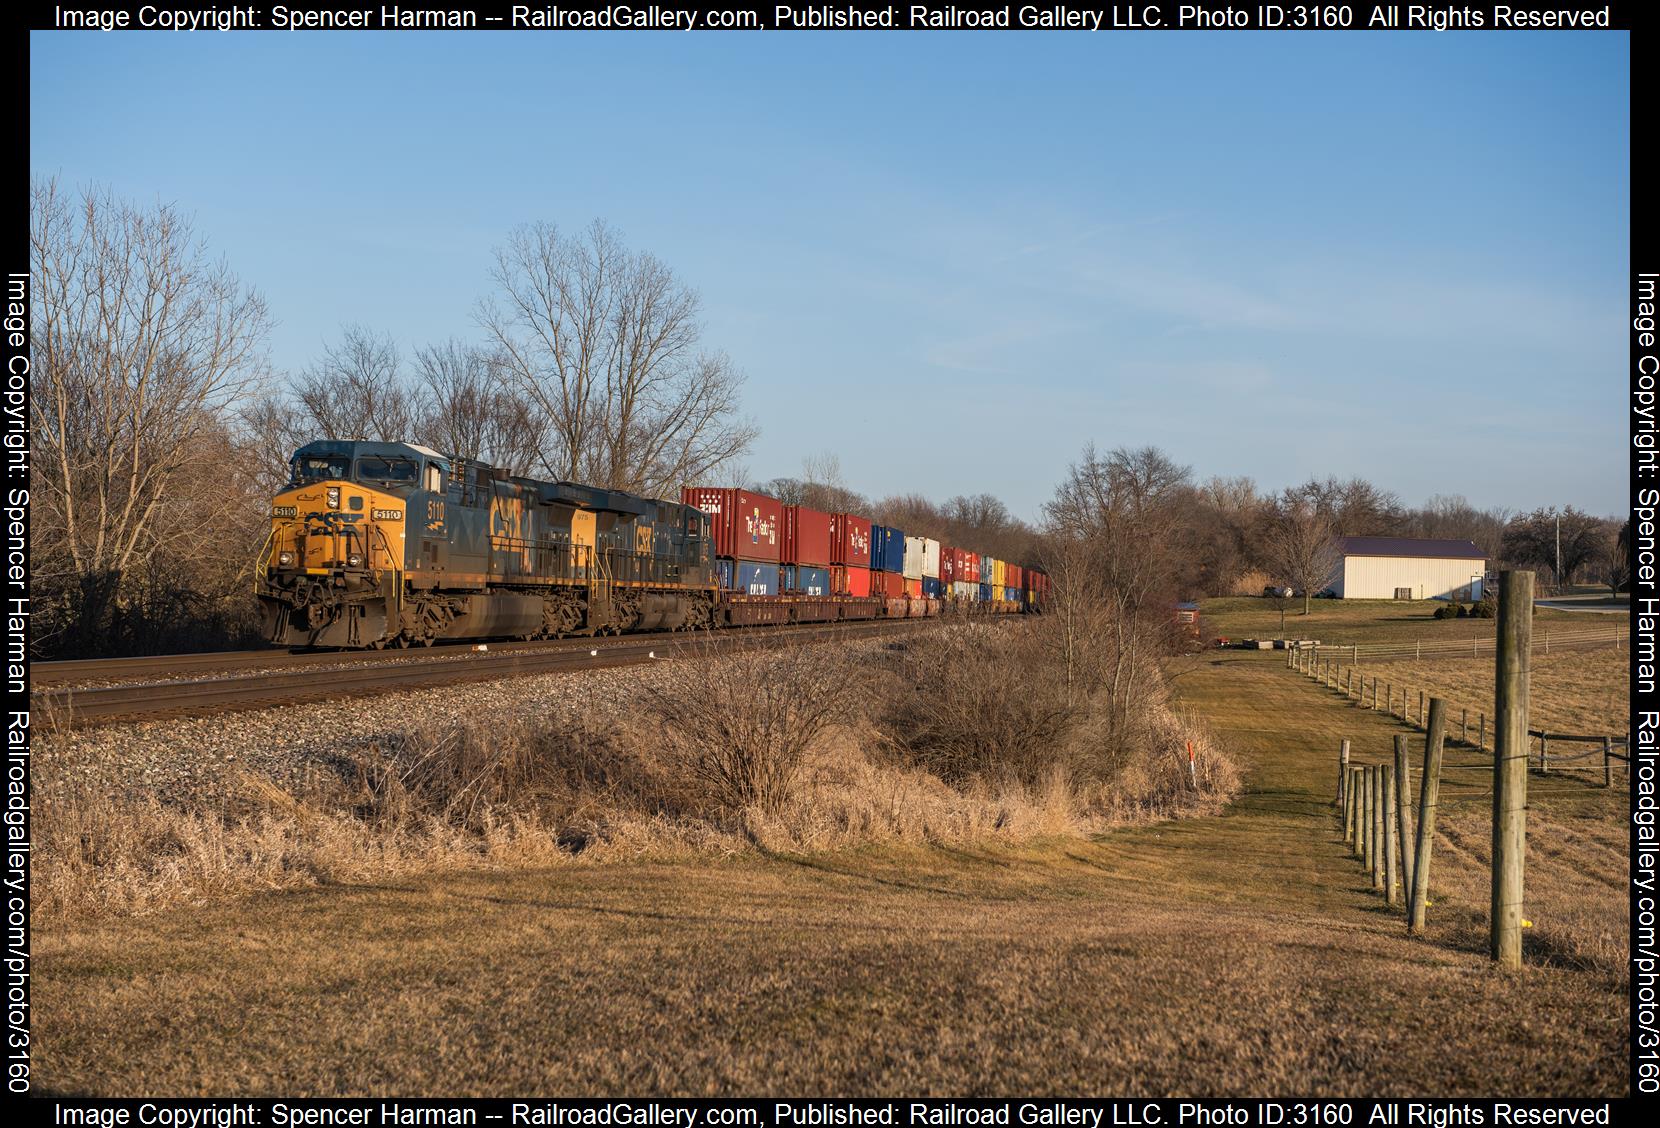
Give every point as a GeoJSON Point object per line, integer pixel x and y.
{"type": "Point", "coordinates": [284, 559]}
{"type": "Point", "coordinates": [334, 497]}
{"type": "Point", "coordinates": [354, 561]}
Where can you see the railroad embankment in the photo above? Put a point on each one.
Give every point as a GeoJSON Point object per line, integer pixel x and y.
{"type": "Point", "coordinates": [956, 734]}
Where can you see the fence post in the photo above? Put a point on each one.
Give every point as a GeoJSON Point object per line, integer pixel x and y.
{"type": "Point", "coordinates": [1351, 818]}
{"type": "Point", "coordinates": [1481, 734]}
{"type": "Point", "coordinates": [1389, 698]}
{"type": "Point", "coordinates": [1510, 704]}
{"type": "Point", "coordinates": [1389, 873]}
{"type": "Point", "coordinates": [1428, 793]}
{"type": "Point", "coordinates": [1544, 754]}
{"type": "Point", "coordinates": [1342, 770]}
{"type": "Point", "coordinates": [1377, 826]}
{"type": "Point", "coordinates": [1364, 825]}
{"type": "Point", "coordinates": [1463, 726]}
{"type": "Point", "coordinates": [1403, 806]}
{"type": "Point", "coordinates": [1417, 648]}
{"type": "Point", "coordinates": [1547, 643]}
{"type": "Point", "coordinates": [1370, 857]}
{"type": "Point", "coordinates": [1608, 761]}
{"type": "Point", "coordinates": [1357, 651]}
{"type": "Point", "coordinates": [1420, 707]}
{"type": "Point", "coordinates": [1374, 693]}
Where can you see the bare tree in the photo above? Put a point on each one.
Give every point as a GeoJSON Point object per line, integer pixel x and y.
{"type": "Point", "coordinates": [356, 391]}
{"type": "Point", "coordinates": [1301, 542]}
{"type": "Point", "coordinates": [141, 341]}
{"type": "Point", "coordinates": [604, 342]}
{"type": "Point", "coordinates": [1126, 506]}
{"type": "Point", "coordinates": [1546, 536]}
{"type": "Point", "coordinates": [467, 410]}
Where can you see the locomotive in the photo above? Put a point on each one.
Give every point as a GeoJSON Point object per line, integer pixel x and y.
{"type": "Point", "coordinates": [393, 544]}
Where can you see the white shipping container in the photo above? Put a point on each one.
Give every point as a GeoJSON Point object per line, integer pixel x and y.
{"type": "Point", "coordinates": [962, 589]}
{"type": "Point", "coordinates": [913, 558]}
{"type": "Point", "coordinates": [931, 559]}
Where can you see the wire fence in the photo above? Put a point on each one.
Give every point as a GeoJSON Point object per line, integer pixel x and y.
{"type": "Point", "coordinates": [1545, 639]}
{"type": "Point", "coordinates": [1464, 727]}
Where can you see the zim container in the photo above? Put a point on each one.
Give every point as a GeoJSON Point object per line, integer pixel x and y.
{"type": "Point", "coordinates": [850, 540]}
{"type": "Point", "coordinates": [887, 549]}
{"type": "Point", "coordinates": [806, 537]}
{"type": "Point", "coordinates": [745, 525]}
{"type": "Point", "coordinates": [757, 579]}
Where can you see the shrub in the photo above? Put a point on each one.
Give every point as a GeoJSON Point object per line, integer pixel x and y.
{"type": "Point", "coordinates": [1486, 609]}
{"type": "Point", "coordinates": [1463, 611]}
{"type": "Point", "coordinates": [1445, 611]}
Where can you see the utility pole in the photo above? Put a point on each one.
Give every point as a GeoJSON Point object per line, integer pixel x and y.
{"type": "Point", "coordinates": [1559, 553]}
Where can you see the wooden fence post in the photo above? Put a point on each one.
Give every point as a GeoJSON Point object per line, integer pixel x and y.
{"type": "Point", "coordinates": [1463, 726]}
{"type": "Point", "coordinates": [1481, 734]}
{"type": "Point", "coordinates": [1544, 754]}
{"type": "Point", "coordinates": [1420, 707]}
{"type": "Point", "coordinates": [1403, 805]}
{"type": "Point", "coordinates": [1366, 816]}
{"type": "Point", "coordinates": [1608, 761]}
{"type": "Point", "coordinates": [1428, 793]}
{"type": "Point", "coordinates": [1342, 770]}
{"type": "Point", "coordinates": [1390, 876]}
{"type": "Point", "coordinates": [1374, 693]}
{"type": "Point", "coordinates": [1510, 705]}
{"type": "Point", "coordinates": [1389, 698]}
{"type": "Point", "coordinates": [1376, 828]}
{"type": "Point", "coordinates": [1351, 817]}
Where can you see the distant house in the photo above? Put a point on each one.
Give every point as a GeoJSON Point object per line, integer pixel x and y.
{"type": "Point", "coordinates": [1408, 568]}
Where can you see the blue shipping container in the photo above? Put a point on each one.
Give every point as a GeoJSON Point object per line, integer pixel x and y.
{"type": "Point", "coordinates": [887, 549]}
{"type": "Point", "coordinates": [723, 573]}
{"type": "Point", "coordinates": [757, 579]}
{"type": "Point", "coordinates": [930, 587]}
{"type": "Point", "coordinates": [1012, 594]}
{"type": "Point", "coordinates": [985, 593]}
{"type": "Point", "coordinates": [808, 581]}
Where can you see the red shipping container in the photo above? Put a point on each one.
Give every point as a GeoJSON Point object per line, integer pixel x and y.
{"type": "Point", "coordinates": [1013, 575]}
{"type": "Point", "coordinates": [970, 568]}
{"type": "Point", "coordinates": [948, 565]}
{"type": "Point", "coordinates": [806, 537]}
{"type": "Point", "coordinates": [849, 540]}
{"type": "Point", "coordinates": [850, 581]}
{"type": "Point", "coordinates": [746, 526]}
{"type": "Point", "coordinates": [913, 588]}
{"type": "Point", "coordinates": [890, 584]}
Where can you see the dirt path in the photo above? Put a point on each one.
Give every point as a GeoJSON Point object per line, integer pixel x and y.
{"type": "Point", "coordinates": [1236, 955]}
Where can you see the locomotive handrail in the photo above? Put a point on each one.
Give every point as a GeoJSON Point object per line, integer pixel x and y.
{"type": "Point", "coordinates": [259, 558]}
{"type": "Point", "coordinates": [397, 570]}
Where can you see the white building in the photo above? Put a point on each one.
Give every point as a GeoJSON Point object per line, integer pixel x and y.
{"type": "Point", "coordinates": [1408, 568]}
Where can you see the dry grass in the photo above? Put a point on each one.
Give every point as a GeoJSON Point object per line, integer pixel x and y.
{"type": "Point", "coordinates": [764, 747]}
{"type": "Point", "coordinates": [1239, 954]}
{"type": "Point", "coordinates": [1585, 691]}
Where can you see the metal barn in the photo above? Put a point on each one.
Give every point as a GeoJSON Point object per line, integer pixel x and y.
{"type": "Point", "coordinates": [1408, 568]}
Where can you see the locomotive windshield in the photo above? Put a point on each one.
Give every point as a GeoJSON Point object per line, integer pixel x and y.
{"type": "Point", "coordinates": [391, 470]}
{"type": "Point", "coordinates": [320, 467]}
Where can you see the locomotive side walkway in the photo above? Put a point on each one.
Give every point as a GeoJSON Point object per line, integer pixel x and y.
{"type": "Point", "coordinates": [1241, 954]}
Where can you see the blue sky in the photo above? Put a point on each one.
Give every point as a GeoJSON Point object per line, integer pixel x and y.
{"type": "Point", "coordinates": [953, 259]}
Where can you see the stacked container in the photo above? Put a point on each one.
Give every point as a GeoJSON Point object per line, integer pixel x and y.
{"type": "Point", "coordinates": [849, 555]}
{"type": "Point", "coordinates": [887, 549]}
{"type": "Point", "coordinates": [805, 551]}
{"type": "Point", "coordinates": [913, 559]}
{"type": "Point", "coordinates": [746, 527]}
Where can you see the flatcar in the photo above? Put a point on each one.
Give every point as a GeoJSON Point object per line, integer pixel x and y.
{"type": "Point", "coordinates": [394, 544]}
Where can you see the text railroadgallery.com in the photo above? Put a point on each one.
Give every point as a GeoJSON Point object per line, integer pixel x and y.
{"type": "Point", "coordinates": [1645, 605]}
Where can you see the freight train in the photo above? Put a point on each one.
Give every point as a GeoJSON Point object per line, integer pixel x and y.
{"type": "Point", "coordinates": [393, 544]}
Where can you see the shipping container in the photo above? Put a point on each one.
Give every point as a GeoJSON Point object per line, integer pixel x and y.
{"type": "Point", "coordinates": [887, 549]}
{"type": "Point", "coordinates": [799, 579]}
{"type": "Point", "coordinates": [965, 591]}
{"type": "Point", "coordinates": [948, 565]}
{"type": "Point", "coordinates": [931, 587]}
{"type": "Point", "coordinates": [849, 581]}
{"type": "Point", "coordinates": [723, 574]}
{"type": "Point", "coordinates": [806, 537]}
{"type": "Point", "coordinates": [913, 558]}
{"type": "Point", "coordinates": [1015, 576]}
{"type": "Point", "coordinates": [757, 579]}
{"type": "Point", "coordinates": [850, 540]}
{"type": "Point", "coordinates": [971, 568]}
{"type": "Point", "coordinates": [889, 584]}
{"type": "Point", "coordinates": [998, 571]}
{"type": "Point", "coordinates": [930, 558]}
{"type": "Point", "coordinates": [985, 593]}
{"type": "Point", "coordinates": [913, 588]}
{"type": "Point", "coordinates": [746, 526]}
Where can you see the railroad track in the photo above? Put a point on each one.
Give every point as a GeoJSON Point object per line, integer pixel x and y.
{"type": "Point", "coordinates": [83, 706]}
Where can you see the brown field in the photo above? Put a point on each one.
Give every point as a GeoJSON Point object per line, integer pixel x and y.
{"type": "Point", "coordinates": [1236, 954]}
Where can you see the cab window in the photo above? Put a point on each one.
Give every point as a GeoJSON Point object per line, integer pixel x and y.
{"type": "Point", "coordinates": [389, 470]}
{"type": "Point", "coordinates": [320, 467]}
